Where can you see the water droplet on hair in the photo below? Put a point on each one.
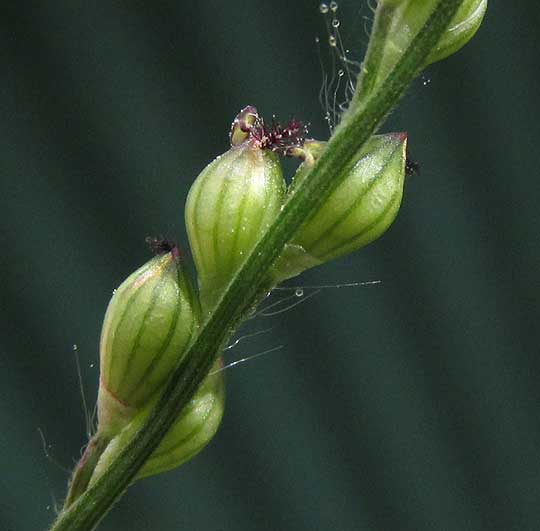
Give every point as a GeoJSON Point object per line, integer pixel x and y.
{"type": "Point", "coordinates": [299, 292]}
{"type": "Point", "coordinates": [323, 8]}
{"type": "Point", "coordinates": [332, 41]}
{"type": "Point", "coordinates": [335, 23]}
{"type": "Point", "coordinates": [333, 6]}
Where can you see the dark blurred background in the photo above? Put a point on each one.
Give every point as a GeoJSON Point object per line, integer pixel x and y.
{"type": "Point", "coordinates": [409, 405]}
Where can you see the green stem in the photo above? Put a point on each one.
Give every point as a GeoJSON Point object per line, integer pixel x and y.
{"type": "Point", "coordinates": [246, 286]}
{"type": "Point", "coordinates": [372, 61]}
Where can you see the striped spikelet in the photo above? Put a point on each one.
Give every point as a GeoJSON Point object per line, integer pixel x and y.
{"type": "Point", "coordinates": [403, 19]}
{"type": "Point", "coordinates": [149, 321]}
{"type": "Point", "coordinates": [191, 432]}
{"type": "Point", "coordinates": [357, 212]}
{"type": "Point", "coordinates": [231, 203]}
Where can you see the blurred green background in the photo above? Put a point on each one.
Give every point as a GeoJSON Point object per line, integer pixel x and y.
{"type": "Point", "coordinates": [410, 405]}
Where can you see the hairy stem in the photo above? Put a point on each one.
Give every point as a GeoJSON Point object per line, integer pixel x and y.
{"type": "Point", "coordinates": [371, 63]}
{"type": "Point", "coordinates": [248, 283]}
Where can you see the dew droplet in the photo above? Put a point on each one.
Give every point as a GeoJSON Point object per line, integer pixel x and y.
{"type": "Point", "coordinates": [75, 347]}
{"type": "Point", "coordinates": [299, 292]}
{"type": "Point", "coordinates": [335, 23]}
{"type": "Point", "coordinates": [317, 40]}
{"type": "Point", "coordinates": [332, 41]}
{"type": "Point", "coordinates": [323, 8]}
{"type": "Point", "coordinates": [333, 6]}
{"type": "Point", "coordinates": [114, 291]}
{"type": "Point", "coordinates": [92, 365]}
{"type": "Point", "coordinates": [340, 73]}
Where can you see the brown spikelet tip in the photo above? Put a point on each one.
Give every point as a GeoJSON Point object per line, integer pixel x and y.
{"type": "Point", "coordinates": [159, 245]}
